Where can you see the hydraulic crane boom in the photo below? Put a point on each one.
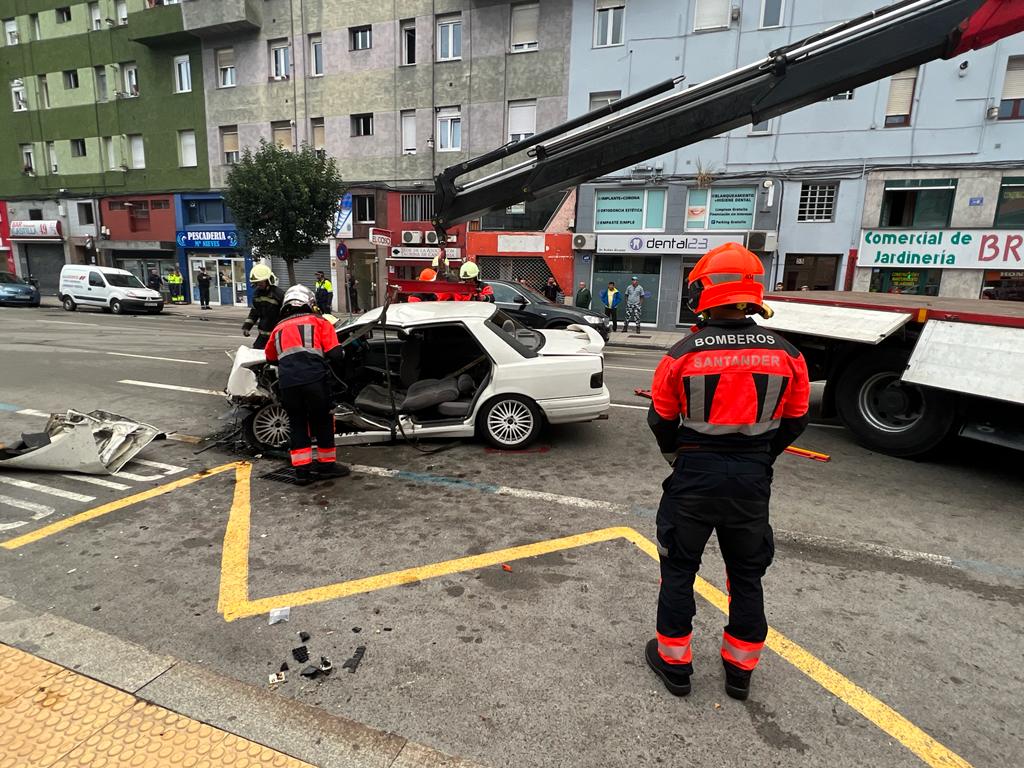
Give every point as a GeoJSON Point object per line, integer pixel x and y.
{"type": "Point", "coordinates": [664, 118]}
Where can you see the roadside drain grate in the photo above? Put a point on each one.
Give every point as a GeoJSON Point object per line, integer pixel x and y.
{"type": "Point", "coordinates": [286, 476]}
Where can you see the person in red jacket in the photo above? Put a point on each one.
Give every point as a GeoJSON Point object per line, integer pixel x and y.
{"type": "Point", "coordinates": [304, 345]}
{"type": "Point", "coordinates": [726, 401]}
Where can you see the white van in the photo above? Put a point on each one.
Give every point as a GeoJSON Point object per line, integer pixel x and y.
{"type": "Point", "coordinates": [112, 290]}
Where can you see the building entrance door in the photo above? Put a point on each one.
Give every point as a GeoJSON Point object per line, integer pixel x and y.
{"type": "Point", "coordinates": [227, 286]}
{"type": "Point", "coordinates": [818, 272]}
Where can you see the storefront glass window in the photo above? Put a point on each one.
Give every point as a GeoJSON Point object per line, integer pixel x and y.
{"type": "Point", "coordinates": [619, 269]}
{"type": "Point", "coordinates": [918, 203]}
{"type": "Point", "coordinates": [919, 282]}
{"type": "Point", "coordinates": [1004, 286]}
{"type": "Point", "coordinates": [1010, 213]}
{"type": "Point", "coordinates": [629, 210]}
{"type": "Point", "coordinates": [721, 208]}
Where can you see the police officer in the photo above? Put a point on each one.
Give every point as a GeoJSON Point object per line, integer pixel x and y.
{"type": "Point", "coordinates": [267, 299]}
{"type": "Point", "coordinates": [304, 345]}
{"type": "Point", "coordinates": [726, 401]}
{"type": "Point", "coordinates": [324, 291]}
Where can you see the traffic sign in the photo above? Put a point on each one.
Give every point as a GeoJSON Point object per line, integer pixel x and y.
{"type": "Point", "coordinates": [380, 236]}
{"type": "Point", "coordinates": [341, 252]}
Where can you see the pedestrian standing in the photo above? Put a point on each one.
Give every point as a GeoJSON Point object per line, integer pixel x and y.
{"type": "Point", "coordinates": [610, 298]}
{"type": "Point", "coordinates": [741, 393]}
{"type": "Point", "coordinates": [267, 299]}
{"type": "Point", "coordinates": [304, 345]}
{"type": "Point", "coordinates": [353, 294]}
{"type": "Point", "coordinates": [153, 281]}
{"type": "Point", "coordinates": [324, 292]}
{"type": "Point", "coordinates": [551, 290]}
{"type": "Point", "coordinates": [583, 297]}
{"type": "Point", "coordinates": [634, 303]}
{"type": "Point", "coordinates": [203, 281]}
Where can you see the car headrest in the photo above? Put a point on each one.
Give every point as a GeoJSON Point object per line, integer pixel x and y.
{"type": "Point", "coordinates": [466, 384]}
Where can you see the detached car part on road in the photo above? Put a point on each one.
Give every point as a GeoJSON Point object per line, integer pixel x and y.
{"type": "Point", "coordinates": [440, 370]}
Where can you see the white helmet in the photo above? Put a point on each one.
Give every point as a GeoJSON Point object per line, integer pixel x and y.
{"type": "Point", "coordinates": [299, 296]}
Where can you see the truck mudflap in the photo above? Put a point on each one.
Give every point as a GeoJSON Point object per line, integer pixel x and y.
{"type": "Point", "coordinates": [866, 326]}
{"type": "Point", "coordinates": [982, 360]}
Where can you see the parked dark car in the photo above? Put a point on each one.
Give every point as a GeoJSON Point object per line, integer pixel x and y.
{"type": "Point", "coordinates": [533, 309]}
{"type": "Point", "coordinates": [15, 291]}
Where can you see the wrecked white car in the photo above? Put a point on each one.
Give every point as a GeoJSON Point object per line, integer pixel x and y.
{"type": "Point", "coordinates": [440, 370]}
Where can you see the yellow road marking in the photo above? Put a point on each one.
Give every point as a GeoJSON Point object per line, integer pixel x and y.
{"type": "Point", "coordinates": [104, 509]}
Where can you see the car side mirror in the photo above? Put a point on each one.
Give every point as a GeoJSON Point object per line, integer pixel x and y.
{"type": "Point", "coordinates": [521, 301]}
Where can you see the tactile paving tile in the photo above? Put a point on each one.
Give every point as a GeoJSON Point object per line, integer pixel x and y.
{"type": "Point", "coordinates": [236, 752]}
{"type": "Point", "coordinates": [20, 672]}
{"type": "Point", "coordinates": [64, 710]}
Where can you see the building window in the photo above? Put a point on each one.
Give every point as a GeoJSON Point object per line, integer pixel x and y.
{"type": "Point", "coordinates": [408, 33]}
{"type": "Point", "coordinates": [365, 208]}
{"type": "Point", "coordinates": [130, 79]}
{"type": "Point", "coordinates": [522, 119]}
{"type": "Point", "coordinates": [229, 144]}
{"type": "Point", "coordinates": [78, 148]}
{"type": "Point", "coordinates": [95, 17]}
{"type": "Point", "coordinates": [1010, 211]}
{"type": "Point", "coordinates": [35, 214]}
{"type": "Point", "coordinates": [138, 215]}
{"type": "Point", "coordinates": [525, 27]}
{"type": "Point", "coordinates": [918, 203]}
{"type": "Point", "coordinates": [281, 134]}
{"type": "Point", "coordinates": [449, 38]}
{"type": "Point", "coordinates": [901, 98]}
{"type": "Point", "coordinates": [187, 149]}
{"type": "Point", "coordinates": [44, 92]}
{"type": "Point", "coordinates": [417, 206]}
{"type": "Point", "coordinates": [121, 11]}
{"type": "Point", "coordinates": [761, 129]}
{"type": "Point", "coordinates": [280, 59]}
{"type": "Point", "coordinates": [138, 150]}
{"type": "Point", "coordinates": [10, 32]}
{"type": "Point", "coordinates": [1011, 107]}
{"type": "Point", "coordinates": [28, 159]}
{"type": "Point", "coordinates": [609, 17]}
{"type": "Point", "coordinates": [51, 158]}
{"type": "Point", "coordinates": [771, 13]}
{"type": "Point", "coordinates": [182, 75]}
{"type": "Point", "coordinates": [316, 56]}
{"type": "Point", "coordinates": [360, 38]}
{"type": "Point", "coordinates": [226, 68]}
{"type": "Point", "coordinates": [600, 99]}
{"type": "Point", "coordinates": [712, 14]}
{"type": "Point", "coordinates": [109, 155]}
{"type": "Point", "coordinates": [842, 96]}
{"type": "Point", "coordinates": [817, 202]}
{"type": "Point", "coordinates": [37, 33]}
{"type": "Point", "coordinates": [319, 136]}
{"type": "Point", "coordinates": [720, 208]}
{"type": "Point", "coordinates": [408, 119]}
{"type": "Point", "coordinates": [86, 214]}
{"type": "Point", "coordinates": [207, 212]}
{"type": "Point", "coordinates": [18, 98]}
{"type": "Point", "coordinates": [100, 75]}
{"type": "Point", "coordinates": [449, 129]}
{"type": "Point", "coordinates": [629, 210]}
{"type": "Point", "coordinates": [63, 14]}
{"type": "Point", "coordinates": [70, 79]}
{"type": "Point", "coordinates": [362, 124]}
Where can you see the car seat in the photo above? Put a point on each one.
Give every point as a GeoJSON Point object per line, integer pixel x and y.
{"type": "Point", "coordinates": [461, 406]}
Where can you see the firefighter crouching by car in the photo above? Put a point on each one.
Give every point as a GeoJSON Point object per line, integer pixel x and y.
{"type": "Point", "coordinates": [741, 393]}
{"type": "Point", "coordinates": [267, 298]}
{"type": "Point", "coordinates": [304, 345]}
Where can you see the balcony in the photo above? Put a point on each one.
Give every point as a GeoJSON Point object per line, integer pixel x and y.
{"type": "Point", "coordinates": [222, 17]}
{"type": "Point", "coordinates": [157, 25]}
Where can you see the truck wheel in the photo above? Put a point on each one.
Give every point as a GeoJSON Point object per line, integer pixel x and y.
{"type": "Point", "coordinates": [267, 429]}
{"type": "Point", "coordinates": [69, 304]}
{"type": "Point", "coordinates": [510, 422]}
{"type": "Point", "coordinates": [889, 415]}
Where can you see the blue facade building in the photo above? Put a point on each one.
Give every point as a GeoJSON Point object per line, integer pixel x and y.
{"type": "Point", "coordinates": [208, 237]}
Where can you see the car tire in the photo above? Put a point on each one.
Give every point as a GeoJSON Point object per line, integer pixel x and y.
{"type": "Point", "coordinates": [888, 415]}
{"type": "Point", "coordinates": [69, 304]}
{"type": "Point", "coordinates": [267, 429]}
{"type": "Point", "coordinates": [115, 307]}
{"type": "Point", "coordinates": [510, 422]}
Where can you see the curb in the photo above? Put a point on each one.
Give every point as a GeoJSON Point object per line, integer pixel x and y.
{"type": "Point", "coordinates": [287, 726]}
{"type": "Point", "coordinates": [655, 347]}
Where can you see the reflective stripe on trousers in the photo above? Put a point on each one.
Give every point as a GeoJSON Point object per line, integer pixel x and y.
{"type": "Point", "coordinates": [301, 456]}
{"type": "Point", "coordinates": [674, 650]}
{"type": "Point", "coordinates": [327, 454]}
{"type": "Point", "coordinates": [740, 653]}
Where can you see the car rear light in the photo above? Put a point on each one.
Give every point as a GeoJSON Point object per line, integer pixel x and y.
{"type": "Point", "coordinates": [597, 380]}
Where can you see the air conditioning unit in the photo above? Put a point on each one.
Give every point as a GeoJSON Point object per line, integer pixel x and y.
{"type": "Point", "coordinates": [430, 237]}
{"type": "Point", "coordinates": [410, 236]}
{"type": "Point", "coordinates": [583, 242]}
{"type": "Point", "coordinates": [763, 241]}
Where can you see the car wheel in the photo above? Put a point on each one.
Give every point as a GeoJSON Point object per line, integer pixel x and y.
{"type": "Point", "coordinates": [889, 415]}
{"type": "Point", "coordinates": [267, 428]}
{"type": "Point", "coordinates": [69, 304]}
{"type": "Point", "coordinates": [510, 422]}
{"type": "Point", "coordinates": [115, 307]}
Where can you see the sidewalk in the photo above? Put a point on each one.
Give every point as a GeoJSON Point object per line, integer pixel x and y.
{"type": "Point", "coordinates": [128, 706]}
{"type": "Point", "coordinates": [213, 313]}
{"type": "Point", "coordinates": [659, 340]}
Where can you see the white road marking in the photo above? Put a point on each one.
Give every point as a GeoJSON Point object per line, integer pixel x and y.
{"type": "Point", "coordinates": [32, 412]}
{"type": "Point", "coordinates": [634, 407]}
{"type": "Point", "coordinates": [138, 478]}
{"type": "Point", "coordinates": [826, 426]}
{"type": "Point", "coordinates": [46, 489]}
{"type": "Point", "coordinates": [169, 469]}
{"type": "Point", "coordinates": [65, 322]}
{"type": "Point", "coordinates": [157, 385]}
{"type": "Point", "coordinates": [98, 481]}
{"type": "Point", "coordinates": [152, 357]}
{"type": "Point", "coordinates": [39, 511]}
{"type": "Point", "coordinates": [184, 332]}
{"type": "Point", "coordinates": [625, 368]}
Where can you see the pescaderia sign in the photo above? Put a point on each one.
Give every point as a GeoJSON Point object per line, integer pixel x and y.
{"type": "Point", "coordinates": [942, 248]}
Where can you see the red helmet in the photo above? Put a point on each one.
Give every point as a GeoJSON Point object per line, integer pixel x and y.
{"type": "Point", "coordinates": [427, 275]}
{"type": "Point", "coordinates": [726, 275]}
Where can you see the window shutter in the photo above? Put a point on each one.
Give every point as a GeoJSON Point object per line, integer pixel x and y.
{"type": "Point", "coordinates": [319, 135]}
{"type": "Point", "coordinates": [1013, 85]}
{"type": "Point", "coordinates": [522, 117]}
{"type": "Point", "coordinates": [525, 24]}
{"type": "Point", "coordinates": [901, 92]}
{"type": "Point", "coordinates": [602, 4]}
{"type": "Point", "coordinates": [230, 141]}
{"type": "Point", "coordinates": [712, 14]}
{"type": "Point", "coordinates": [408, 131]}
{"type": "Point", "coordinates": [226, 58]}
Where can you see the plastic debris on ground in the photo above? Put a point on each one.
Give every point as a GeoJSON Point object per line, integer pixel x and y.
{"type": "Point", "coordinates": [277, 615]}
{"type": "Point", "coordinates": [304, 636]}
{"type": "Point", "coordinates": [276, 677]}
{"type": "Point", "coordinates": [353, 663]}
{"type": "Point", "coordinates": [300, 654]}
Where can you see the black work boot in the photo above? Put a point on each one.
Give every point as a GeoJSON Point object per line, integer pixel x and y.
{"type": "Point", "coordinates": [737, 682]}
{"type": "Point", "coordinates": [326, 470]}
{"type": "Point", "coordinates": [678, 683]}
{"type": "Point", "coordinates": [303, 475]}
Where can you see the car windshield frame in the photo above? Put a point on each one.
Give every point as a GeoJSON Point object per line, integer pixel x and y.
{"type": "Point", "coordinates": [9, 278]}
{"type": "Point", "coordinates": [526, 341]}
{"type": "Point", "coordinates": [119, 280]}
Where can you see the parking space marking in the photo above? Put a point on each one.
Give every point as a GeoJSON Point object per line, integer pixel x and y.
{"type": "Point", "coordinates": [157, 385]}
{"type": "Point", "coordinates": [632, 407]}
{"type": "Point", "coordinates": [169, 469]}
{"type": "Point", "coordinates": [137, 478]}
{"type": "Point", "coordinates": [33, 412]}
{"type": "Point", "coordinates": [98, 481]}
{"type": "Point", "coordinates": [30, 486]}
{"type": "Point", "coordinates": [39, 511]}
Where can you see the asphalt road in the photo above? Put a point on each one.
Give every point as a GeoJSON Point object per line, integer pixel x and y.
{"type": "Point", "coordinates": [897, 586]}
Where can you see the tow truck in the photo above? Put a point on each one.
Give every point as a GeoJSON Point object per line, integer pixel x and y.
{"type": "Point", "coordinates": [902, 373]}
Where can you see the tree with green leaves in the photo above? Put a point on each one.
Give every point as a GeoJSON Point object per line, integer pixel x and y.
{"type": "Point", "coordinates": [284, 201]}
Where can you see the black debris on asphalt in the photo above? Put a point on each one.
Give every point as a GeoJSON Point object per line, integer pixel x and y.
{"type": "Point", "coordinates": [304, 636]}
{"type": "Point", "coordinates": [301, 654]}
{"type": "Point", "coordinates": [353, 663]}
{"type": "Point", "coordinates": [311, 672]}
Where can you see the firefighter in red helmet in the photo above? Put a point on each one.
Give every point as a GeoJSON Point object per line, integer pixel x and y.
{"type": "Point", "coordinates": [726, 401]}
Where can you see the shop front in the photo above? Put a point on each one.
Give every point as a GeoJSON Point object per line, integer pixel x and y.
{"type": "Point", "coordinates": [40, 251]}
{"type": "Point", "coordinates": [529, 256]}
{"type": "Point", "coordinates": [7, 260]}
{"type": "Point", "coordinates": [218, 251]}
